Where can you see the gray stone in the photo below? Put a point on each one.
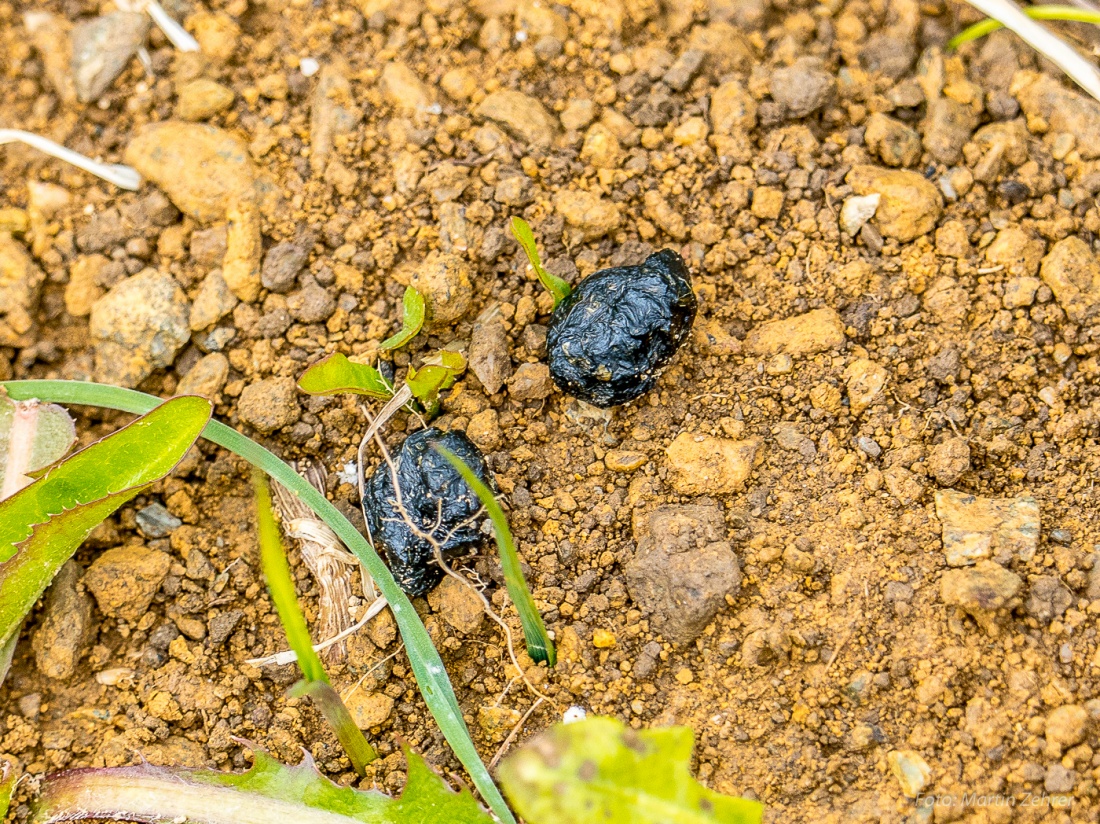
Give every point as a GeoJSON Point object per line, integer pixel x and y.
{"type": "Point", "coordinates": [683, 570]}
{"type": "Point", "coordinates": [802, 88]}
{"type": "Point", "coordinates": [974, 527]}
{"type": "Point", "coordinates": [155, 521]}
{"type": "Point", "coordinates": [137, 327]}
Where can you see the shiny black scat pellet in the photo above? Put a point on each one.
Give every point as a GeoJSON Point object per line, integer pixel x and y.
{"type": "Point", "coordinates": [610, 337]}
{"type": "Point", "coordinates": [437, 501]}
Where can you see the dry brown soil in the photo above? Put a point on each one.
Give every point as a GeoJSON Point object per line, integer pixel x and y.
{"type": "Point", "coordinates": [952, 345]}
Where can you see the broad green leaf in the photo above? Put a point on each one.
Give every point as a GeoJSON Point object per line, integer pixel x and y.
{"type": "Point", "coordinates": [1068, 14]}
{"type": "Point", "coordinates": [32, 436]}
{"type": "Point", "coordinates": [539, 645]}
{"type": "Point", "coordinates": [268, 793]}
{"type": "Point", "coordinates": [43, 524]}
{"type": "Point", "coordinates": [552, 283]}
{"type": "Point", "coordinates": [600, 770]}
{"type": "Point", "coordinates": [431, 677]}
{"type": "Point", "coordinates": [336, 375]}
{"type": "Point", "coordinates": [280, 583]}
{"type": "Point", "coordinates": [435, 374]}
{"type": "Point", "coordinates": [412, 321]}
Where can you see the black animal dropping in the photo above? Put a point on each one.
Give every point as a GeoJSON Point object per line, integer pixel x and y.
{"type": "Point", "coordinates": [433, 497]}
{"type": "Point", "coordinates": [610, 337]}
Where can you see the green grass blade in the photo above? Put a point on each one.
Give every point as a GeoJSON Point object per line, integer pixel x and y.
{"type": "Point", "coordinates": [1068, 14]}
{"type": "Point", "coordinates": [336, 375]}
{"type": "Point", "coordinates": [339, 718]}
{"type": "Point", "coordinates": [539, 645]}
{"type": "Point", "coordinates": [280, 583]}
{"type": "Point", "coordinates": [412, 320]}
{"type": "Point", "coordinates": [553, 284]}
{"type": "Point", "coordinates": [42, 525]}
{"type": "Point", "coordinates": [427, 666]}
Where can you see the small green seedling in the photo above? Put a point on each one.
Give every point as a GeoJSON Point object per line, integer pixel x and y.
{"type": "Point", "coordinates": [437, 373]}
{"type": "Point", "coordinates": [314, 681]}
{"type": "Point", "coordinates": [539, 645]}
{"type": "Point", "coordinates": [414, 310]}
{"type": "Point", "coordinates": [1069, 14]}
{"type": "Point", "coordinates": [7, 785]}
{"type": "Point", "coordinates": [553, 284]}
{"type": "Point", "coordinates": [336, 375]}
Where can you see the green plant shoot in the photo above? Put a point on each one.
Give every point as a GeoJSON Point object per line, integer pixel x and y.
{"type": "Point", "coordinates": [7, 784]}
{"type": "Point", "coordinates": [435, 374]}
{"type": "Point", "coordinates": [412, 320]}
{"type": "Point", "coordinates": [314, 683]}
{"type": "Point", "coordinates": [42, 525]}
{"type": "Point", "coordinates": [1068, 14]}
{"type": "Point", "coordinates": [539, 645]}
{"type": "Point", "coordinates": [552, 283]}
{"type": "Point", "coordinates": [336, 375]}
{"type": "Point", "coordinates": [427, 666]}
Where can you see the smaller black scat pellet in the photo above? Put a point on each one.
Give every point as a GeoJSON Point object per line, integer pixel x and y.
{"type": "Point", "coordinates": [611, 336]}
{"type": "Point", "coordinates": [437, 501]}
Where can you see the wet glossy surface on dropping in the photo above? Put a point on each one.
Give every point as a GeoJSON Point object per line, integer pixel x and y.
{"type": "Point", "coordinates": [610, 338]}
{"type": "Point", "coordinates": [437, 500]}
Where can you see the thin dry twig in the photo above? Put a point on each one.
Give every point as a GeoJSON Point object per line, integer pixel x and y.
{"type": "Point", "coordinates": [512, 735]}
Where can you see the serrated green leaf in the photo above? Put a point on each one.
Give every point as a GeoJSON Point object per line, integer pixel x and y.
{"type": "Point", "coordinates": [600, 770]}
{"type": "Point", "coordinates": [539, 645]}
{"type": "Point", "coordinates": [557, 287]}
{"type": "Point", "coordinates": [427, 666]}
{"type": "Point", "coordinates": [436, 374]}
{"type": "Point", "coordinates": [43, 524]}
{"type": "Point", "coordinates": [270, 792]}
{"type": "Point", "coordinates": [412, 321]}
{"type": "Point", "coordinates": [336, 375]}
{"type": "Point", "coordinates": [32, 436]}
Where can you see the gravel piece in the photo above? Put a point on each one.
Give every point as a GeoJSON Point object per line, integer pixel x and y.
{"type": "Point", "coordinates": [102, 48]}
{"type": "Point", "coordinates": [489, 358]}
{"type": "Point", "coordinates": [446, 284]}
{"type": "Point", "coordinates": [803, 88]}
{"type": "Point", "coordinates": [974, 527]}
{"type": "Point", "coordinates": [269, 404]}
{"type": "Point", "coordinates": [910, 204]}
{"type": "Point", "coordinates": [986, 591]}
{"type": "Point", "coordinates": [124, 580]}
{"type": "Point", "coordinates": [683, 570]}
{"type": "Point", "coordinates": [704, 465]}
{"type": "Point", "coordinates": [531, 382]}
{"type": "Point", "coordinates": [816, 331]}
{"type": "Point", "coordinates": [139, 326]}
{"type": "Point", "coordinates": [283, 262]}
{"type": "Point", "coordinates": [155, 521]}
{"type": "Point", "coordinates": [65, 629]}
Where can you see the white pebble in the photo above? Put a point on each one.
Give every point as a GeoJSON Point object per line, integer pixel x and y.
{"type": "Point", "coordinates": [309, 66]}
{"type": "Point", "coordinates": [574, 714]}
{"type": "Point", "coordinates": [858, 210]}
